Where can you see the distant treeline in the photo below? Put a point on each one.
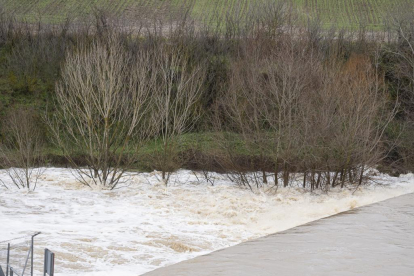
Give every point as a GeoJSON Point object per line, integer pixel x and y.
{"type": "Point", "coordinates": [265, 93]}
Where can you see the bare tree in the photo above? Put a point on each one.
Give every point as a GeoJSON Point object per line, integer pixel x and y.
{"type": "Point", "coordinates": [324, 118]}
{"type": "Point", "coordinates": [399, 57]}
{"type": "Point", "coordinates": [102, 104]}
{"type": "Point", "coordinates": [21, 153]}
{"type": "Point", "coordinates": [401, 48]}
{"type": "Point", "coordinates": [176, 98]}
{"type": "Point", "coordinates": [347, 118]}
{"type": "Point", "coordinates": [263, 103]}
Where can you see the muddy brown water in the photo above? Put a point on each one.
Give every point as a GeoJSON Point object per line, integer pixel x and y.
{"type": "Point", "coordinates": [371, 240]}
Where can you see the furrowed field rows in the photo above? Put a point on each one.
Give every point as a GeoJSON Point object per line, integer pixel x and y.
{"type": "Point", "coordinates": [345, 13]}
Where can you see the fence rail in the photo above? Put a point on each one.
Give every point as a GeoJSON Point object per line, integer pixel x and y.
{"type": "Point", "coordinates": [15, 258]}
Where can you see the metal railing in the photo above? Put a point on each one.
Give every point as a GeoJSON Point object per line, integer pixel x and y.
{"type": "Point", "coordinates": [23, 251]}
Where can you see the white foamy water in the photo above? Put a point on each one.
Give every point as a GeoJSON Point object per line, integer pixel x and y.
{"type": "Point", "coordinates": [145, 225]}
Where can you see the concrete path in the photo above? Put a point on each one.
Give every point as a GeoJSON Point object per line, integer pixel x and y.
{"type": "Point", "coordinates": [372, 240]}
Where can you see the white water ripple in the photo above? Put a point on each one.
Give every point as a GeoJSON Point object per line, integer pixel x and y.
{"type": "Point", "coordinates": [145, 225]}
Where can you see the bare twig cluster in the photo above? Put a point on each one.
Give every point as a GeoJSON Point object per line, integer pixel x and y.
{"type": "Point", "coordinates": [21, 154]}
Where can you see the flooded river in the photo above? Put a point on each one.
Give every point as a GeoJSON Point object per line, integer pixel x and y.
{"type": "Point", "coordinates": [372, 240]}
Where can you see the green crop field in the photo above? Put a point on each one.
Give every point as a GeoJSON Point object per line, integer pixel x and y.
{"type": "Point", "coordinates": [347, 13]}
{"type": "Point", "coordinates": [344, 13]}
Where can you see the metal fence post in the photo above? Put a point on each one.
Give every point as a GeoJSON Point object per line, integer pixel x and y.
{"type": "Point", "coordinates": [8, 259]}
{"type": "Point", "coordinates": [11, 271]}
{"type": "Point", "coordinates": [32, 249]}
{"type": "Point", "coordinates": [49, 263]}
{"type": "Point", "coordinates": [44, 263]}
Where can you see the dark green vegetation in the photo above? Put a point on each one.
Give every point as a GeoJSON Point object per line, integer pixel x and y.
{"type": "Point", "coordinates": [274, 93]}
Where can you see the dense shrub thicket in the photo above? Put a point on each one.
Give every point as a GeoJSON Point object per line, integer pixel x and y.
{"type": "Point", "coordinates": [259, 92]}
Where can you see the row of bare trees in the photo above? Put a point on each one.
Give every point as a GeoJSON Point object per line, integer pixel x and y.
{"type": "Point", "coordinates": [110, 102]}
{"type": "Point", "coordinates": [296, 112]}
{"type": "Point", "coordinates": [279, 97]}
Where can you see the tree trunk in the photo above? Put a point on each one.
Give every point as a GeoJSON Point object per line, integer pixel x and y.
{"type": "Point", "coordinates": [343, 172]}
{"type": "Point", "coordinates": [304, 180]}
{"type": "Point", "coordinates": [334, 179]}
{"type": "Point", "coordinates": [276, 175]}
{"type": "Point", "coordinates": [264, 177]}
{"type": "Point", "coordinates": [328, 179]}
{"type": "Point", "coordinates": [318, 181]}
{"type": "Point", "coordinates": [361, 175]}
{"type": "Point", "coordinates": [285, 176]}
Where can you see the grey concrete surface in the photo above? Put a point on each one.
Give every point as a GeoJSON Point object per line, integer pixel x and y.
{"type": "Point", "coordinates": [373, 240]}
